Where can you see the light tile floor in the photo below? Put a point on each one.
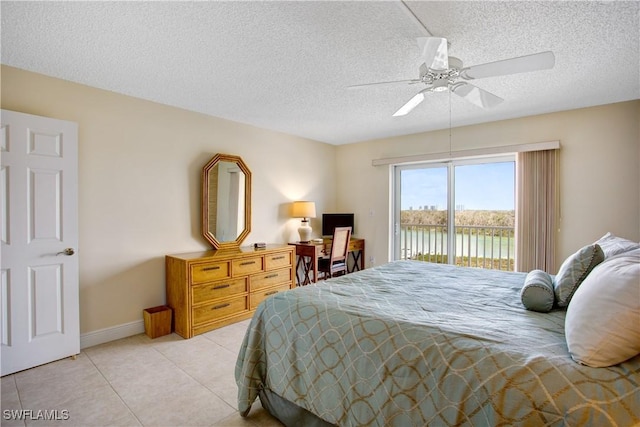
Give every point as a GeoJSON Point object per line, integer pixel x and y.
{"type": "Point", "coordinates": [137, 381]}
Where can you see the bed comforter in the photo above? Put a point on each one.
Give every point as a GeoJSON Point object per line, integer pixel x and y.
{"type": "Point", "coordinates": [413, 343]}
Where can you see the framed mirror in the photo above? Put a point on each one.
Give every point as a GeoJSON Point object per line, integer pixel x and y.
{"type": "Point", "coordinates": [226, 201]}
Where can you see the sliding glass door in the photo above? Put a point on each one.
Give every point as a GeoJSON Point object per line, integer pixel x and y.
{"type": "Point", "coordinates": [459, 207]}
{"type": "Point", "coordinates": [422, 213]}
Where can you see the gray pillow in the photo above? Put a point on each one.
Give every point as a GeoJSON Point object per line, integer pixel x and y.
{"type": "Point", "coordinates": [574, 270]}
{"type": "Point", "coordinates": [537, 292]}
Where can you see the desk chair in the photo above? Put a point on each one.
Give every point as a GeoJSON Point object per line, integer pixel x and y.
{"type": "Point", "coordinates": [337, 261]}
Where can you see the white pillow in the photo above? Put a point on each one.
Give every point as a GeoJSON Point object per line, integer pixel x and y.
{"type": "Point", "coordinates": [602, 325]}
{"type": "Point", "coordinates": [613, 245]}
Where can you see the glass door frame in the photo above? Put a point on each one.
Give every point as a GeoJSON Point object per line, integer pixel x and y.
{"type": "Point", "coordinates": [450, 164]}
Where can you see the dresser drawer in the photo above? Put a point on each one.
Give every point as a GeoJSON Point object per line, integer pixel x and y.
{"type": "Point", "coordinates": [208, 312]}
{"type": "Point", "coordinates": [251, 265]}
{"type": "Point", "coordinates": [201, 273]}
{"type": "Point", "coordinates": [210, 326]}
{"type": "Point", "coordinates": [261, 295]}
{"type": "Point", "coordinates": [278, 260]}
{"type": "Point", "coordinates": [203, 293]}
{"type": "Point", "coordinates": [270, 278]}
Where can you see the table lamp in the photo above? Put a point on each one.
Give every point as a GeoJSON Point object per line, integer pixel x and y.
{"type": "Point", "coordinates": [304, 210]}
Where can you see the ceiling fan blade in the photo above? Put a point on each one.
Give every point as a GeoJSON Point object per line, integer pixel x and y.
{"type": "Point", "coordinates": [522, 64]}
{"type": "Point", "coordinates": [411, 104]}
{"type": "Point", "coordinates": [412, 81]}
{"type": "Point", "coordinates": [475, 95]}
{"type": "Point", "coordinates": [434, 52]}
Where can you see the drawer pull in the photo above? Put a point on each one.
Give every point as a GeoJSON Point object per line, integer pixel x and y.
{"type": "Point", "coordinates": [220, 287]}
{"type": "Point", "coordinates": [247, 263]}
{"type": "Point", "coordinates": [271, 276]}
{"type": "Point", "coordinates": [278, 257]}
{"type": "Point", "coordinates": [215, 267]}
{"type": "Point", "coordinates": [219, 306]}
{"type": "Point", "coordinates": [271, 293]}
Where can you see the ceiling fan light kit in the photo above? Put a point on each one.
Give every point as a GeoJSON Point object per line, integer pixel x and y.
{"type": "Point", "coordinates": [440, 73]}
{"type": "Point", "coordinates": [440, 85]}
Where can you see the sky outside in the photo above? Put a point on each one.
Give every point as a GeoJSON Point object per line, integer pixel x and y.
{"type": "Point", "coordinates": [488, 186]}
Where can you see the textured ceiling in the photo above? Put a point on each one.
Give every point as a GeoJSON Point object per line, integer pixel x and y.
{"type": "Point", "coordinates": [286, 65]}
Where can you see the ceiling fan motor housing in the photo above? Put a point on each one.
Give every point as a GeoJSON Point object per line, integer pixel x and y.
{"type": "Point", "coordinates": [440, 79]}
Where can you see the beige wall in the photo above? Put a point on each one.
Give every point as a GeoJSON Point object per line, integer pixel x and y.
{"type": "Point", "coordinates": [139, 189]}
{"type": "Point", "coordinates": [599, 161]}
{"type": "Point", "coordinates": [140, 166]}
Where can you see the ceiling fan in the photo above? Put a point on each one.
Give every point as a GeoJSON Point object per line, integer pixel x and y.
{"type": "Point", "coordinates": [441, 72]}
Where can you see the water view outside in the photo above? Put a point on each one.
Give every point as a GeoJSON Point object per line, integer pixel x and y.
{"type": "Point", "coordinates": [484, 215]}
{"type": "Point", "coordinates": [486, 247]}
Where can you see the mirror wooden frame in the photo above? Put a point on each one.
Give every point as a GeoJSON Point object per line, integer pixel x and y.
{"type": "Point", "coordinates": [207, 193]}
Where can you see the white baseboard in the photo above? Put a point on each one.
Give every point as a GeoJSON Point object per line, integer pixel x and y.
{"type": "Point", "coordinates": [111, 334]}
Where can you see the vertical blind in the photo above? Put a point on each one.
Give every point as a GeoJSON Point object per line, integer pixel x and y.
{"type": "Point", "coordinates": [537, 210]}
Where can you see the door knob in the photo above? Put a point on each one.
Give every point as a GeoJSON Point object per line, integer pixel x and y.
{"type": "Point", "coordinates": [68, 252]}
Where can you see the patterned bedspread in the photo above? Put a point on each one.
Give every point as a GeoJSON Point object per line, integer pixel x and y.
{"type": "Point", "coordinates": [413, 344]}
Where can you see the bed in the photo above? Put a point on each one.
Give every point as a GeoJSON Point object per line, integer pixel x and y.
{"type": "Point", "coordinates": [410, 343]}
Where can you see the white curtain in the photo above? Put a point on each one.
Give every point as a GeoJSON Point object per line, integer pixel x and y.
{"type": "Point", "coordinates": [537, 210]}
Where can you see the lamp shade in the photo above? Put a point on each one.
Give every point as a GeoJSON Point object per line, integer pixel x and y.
{"type": "Point", "coordinates": [303, 209]}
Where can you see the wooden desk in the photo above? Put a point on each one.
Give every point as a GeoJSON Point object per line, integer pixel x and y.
{"type": "Point", "coordinates": [308, 254]}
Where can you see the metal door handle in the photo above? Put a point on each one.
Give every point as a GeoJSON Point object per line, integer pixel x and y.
{"type": "Point", "coordinates": [68, 252]}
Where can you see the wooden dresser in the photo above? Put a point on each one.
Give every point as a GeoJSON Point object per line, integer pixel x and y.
{"type": "Point", "coordinates": [207, 290]}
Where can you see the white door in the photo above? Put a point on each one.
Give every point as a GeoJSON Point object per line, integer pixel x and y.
{"type": "Point", "coordinates": [39, 301]}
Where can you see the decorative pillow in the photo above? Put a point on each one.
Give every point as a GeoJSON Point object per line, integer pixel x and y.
{"type": "Point", "coordinates": [613, 245]}
{"type": "Point", "coordinates": [602, 320]}
{"type": "Point", "coordinates": [574, 270]}
{"type": "Point", "coordinates": [537, 292]}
